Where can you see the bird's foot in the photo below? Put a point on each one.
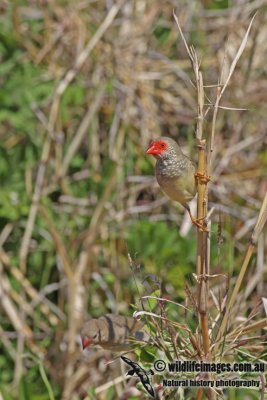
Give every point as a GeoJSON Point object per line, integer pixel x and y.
{"type": "Point", "coordinates": [199, 224]}
{"type": "Point", "coordinates": [203, 178]}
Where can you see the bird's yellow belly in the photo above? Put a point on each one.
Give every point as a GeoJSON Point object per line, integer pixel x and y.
{"type": "Point", "coordinates": [177, 189]}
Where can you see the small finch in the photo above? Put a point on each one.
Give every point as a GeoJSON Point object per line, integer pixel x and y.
{"type": "Point", "coordinates": [175, 172]}
{"type": "Point", "coordinates": [112, 332]}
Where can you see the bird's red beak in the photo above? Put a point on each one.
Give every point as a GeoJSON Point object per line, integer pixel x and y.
{"type": "Point", "coordinates": [85, 342]}
{"type": "Point", "coordinates": [152, 149]}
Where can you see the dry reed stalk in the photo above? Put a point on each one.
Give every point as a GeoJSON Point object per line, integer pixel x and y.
{"type": "Point", "coordinates": [202, 192]}
{"type": "Point", "coordinates": [202, 237]}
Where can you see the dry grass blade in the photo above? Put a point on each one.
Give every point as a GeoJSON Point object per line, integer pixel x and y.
{"type": "Point", "coordinates": [14, 315]}
{"type": "Point", "coordinates": [264, 301]}
{"type": "Point", "coordinates": [45, 305]}
{"type": "Point", "coordinates": [88, 49]}
{"type": "Point", "coordinates": [261, 221]}
{"type": "Point", "coordinates": [250, 250]}
{"type": "Point", "coordinates": [82, 130]}
{"type": "Point", "coordinates": [25, 243]}
{"type": "Point", "coordinates": [62, 251]}
{"type": "Point", "coordinates": [189, 51]}
{"type": "Point", "coordinates": [221, 90]}
{"type": "Point", "coordinates": [238, 55]}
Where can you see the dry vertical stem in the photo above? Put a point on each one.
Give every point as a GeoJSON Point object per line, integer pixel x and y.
{"type": "Point", "coordinates": [203, 258]}
{"type": "Point", "coordinates": [199, 394]}
{"type": "Point", "coordinates": [202, 237]}
{"type": "Point", "coordinates": [202, 249]}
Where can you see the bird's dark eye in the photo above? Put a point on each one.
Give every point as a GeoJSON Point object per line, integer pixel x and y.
{"type": "Point", "coordinates": [162, 145]}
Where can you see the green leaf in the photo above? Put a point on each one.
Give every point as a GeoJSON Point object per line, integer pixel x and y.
{"type": "Point", "coordinates": [24, 389]}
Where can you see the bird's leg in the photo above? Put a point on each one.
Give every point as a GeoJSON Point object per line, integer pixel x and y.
{"type": "Point", "coordinates": [203, 178]}
{"type": "Point", "coordinates": [196, 221]}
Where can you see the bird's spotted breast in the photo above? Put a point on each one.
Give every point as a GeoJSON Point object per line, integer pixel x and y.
{"type": "Point", "coordinates": [176, 178]}
{"type": "Point", "coordinates": [171, 168]}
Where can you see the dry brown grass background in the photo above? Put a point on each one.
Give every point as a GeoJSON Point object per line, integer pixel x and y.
{"type": "Point", "coordinates": [94, 81]}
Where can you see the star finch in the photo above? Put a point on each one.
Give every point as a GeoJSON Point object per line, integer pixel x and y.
{"type": "Point", "coordinates": [112, 332]}
{"type": "Point", "coordinates": [175, 172]}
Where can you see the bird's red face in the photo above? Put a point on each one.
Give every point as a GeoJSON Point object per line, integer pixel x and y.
{"type": "Point", "coordinates": [85, 342]}
{"type": "Point", "coordinates": [157, 147]}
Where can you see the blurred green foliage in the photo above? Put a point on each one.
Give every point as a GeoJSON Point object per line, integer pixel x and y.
{"type": "Point", "coordinates": [163, 251]}
{"type": "Point", "coordinates": [25, 94]}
